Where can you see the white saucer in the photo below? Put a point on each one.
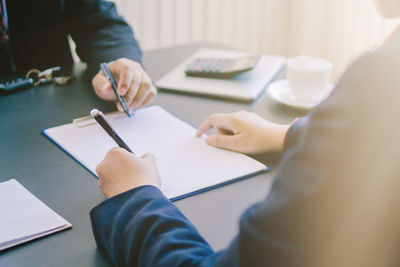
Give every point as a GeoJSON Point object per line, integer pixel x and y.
{"type": "Point", "coordinates": [280, 91]}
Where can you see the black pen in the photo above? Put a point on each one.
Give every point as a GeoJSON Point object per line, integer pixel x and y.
{"type": "Point", "coordinates": [99, 117]}
{"type": "Point", "coordinates": [106, 70]}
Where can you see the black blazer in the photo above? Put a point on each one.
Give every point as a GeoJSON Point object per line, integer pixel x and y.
{"type": "Point", "coordinates": [38, 32]}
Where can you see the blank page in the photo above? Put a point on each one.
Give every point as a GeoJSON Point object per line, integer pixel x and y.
{"type": "Point", "coordinates": [24, 217]}
{"type": "Point", "coordinates": [185, 162]}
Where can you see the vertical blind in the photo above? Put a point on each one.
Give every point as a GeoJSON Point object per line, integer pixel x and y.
{"type": "Point", "coordinates": [338, 30]}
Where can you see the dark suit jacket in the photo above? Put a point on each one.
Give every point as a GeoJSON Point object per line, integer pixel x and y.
{"type": "Point", "coordinates": [38, 33]}
{"type": "Point", "coordinates": [335, 191]}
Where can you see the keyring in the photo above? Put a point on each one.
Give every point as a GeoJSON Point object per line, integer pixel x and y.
{"type": "Point", "coordinates": [34, 74]}
{"type": "Point", "coordinates": [48, 75]}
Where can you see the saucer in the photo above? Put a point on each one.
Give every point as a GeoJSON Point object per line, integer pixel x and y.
{"type": "Point", "coordinates": [280, 92]}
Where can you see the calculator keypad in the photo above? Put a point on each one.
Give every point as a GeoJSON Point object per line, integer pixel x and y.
{"type": "Point", "coordinates": [220, 67]}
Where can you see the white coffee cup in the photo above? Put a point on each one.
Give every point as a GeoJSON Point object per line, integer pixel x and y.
{"type": "Point", "coordinates": [308, 77]}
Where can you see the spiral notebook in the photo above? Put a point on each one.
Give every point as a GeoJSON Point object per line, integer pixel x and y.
{"type": "Point", "coordinates": [186, 164]}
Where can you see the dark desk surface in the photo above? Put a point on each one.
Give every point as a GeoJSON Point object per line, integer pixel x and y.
{"type": "Point", "coordinates": [71, 191]}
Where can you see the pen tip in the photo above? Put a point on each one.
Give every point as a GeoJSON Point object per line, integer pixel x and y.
{"type": "Point", "coordinates": [128, 112]}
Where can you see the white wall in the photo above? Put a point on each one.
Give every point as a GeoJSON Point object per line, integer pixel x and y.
{"type": "Point", "coordinates": [338, 30]}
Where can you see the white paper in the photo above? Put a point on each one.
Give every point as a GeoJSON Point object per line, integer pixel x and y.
{"type": "Point", "coordinates": [186, 163]}
{"type": "Point", "coordinates": [24, 217]}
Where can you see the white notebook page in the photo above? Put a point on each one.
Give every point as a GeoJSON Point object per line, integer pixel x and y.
{"type": "Point", "coordinates": [23, 216]}
{"type": "Point", "coordinates": [186, 163]}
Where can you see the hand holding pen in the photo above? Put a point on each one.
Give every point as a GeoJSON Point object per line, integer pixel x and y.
{"type": "Point", "coordinates": [132, 82]}
{"type": "Point", "coordinates": [120, 170]}
{"type": "Point", "coordinates": [106, 71]}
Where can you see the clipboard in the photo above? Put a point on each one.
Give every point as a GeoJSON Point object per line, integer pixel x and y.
{"type": "Point", "coordinates": [186, 164]}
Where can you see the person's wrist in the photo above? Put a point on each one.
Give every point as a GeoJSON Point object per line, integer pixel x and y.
{"type": "Point", "coordinates": [123, 189]}
{"type": "Point", "coordinates": [134, 189]}
{"type": "Point", "coordinates": [281, 135]}
{"type": "Point", "coordinates": [275, 138]}
{"type": "Point", "coordinates": [139, 183]}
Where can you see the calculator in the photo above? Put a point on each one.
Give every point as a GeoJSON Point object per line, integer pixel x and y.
{"type": "Point", "coordinates": [221, 68]}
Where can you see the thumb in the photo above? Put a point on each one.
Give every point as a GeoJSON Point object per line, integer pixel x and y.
{"type": "Point", "coordinates": [222, 141]}
{"type": "Point", "coordinates": [149, 157]}
{"type": "Point", "coordinates": [156, 181]}
{"type": "Point", "coordinates": [102, 87]}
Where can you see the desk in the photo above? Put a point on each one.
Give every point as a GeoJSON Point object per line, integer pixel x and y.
{"type": "Point", "coordinates": [71, 191]}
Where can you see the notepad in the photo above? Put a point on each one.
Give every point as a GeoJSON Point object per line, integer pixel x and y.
{"type": "Point", "coordinates": [24, 217]}
{"type": "Point", "coordinates": [186, 164]}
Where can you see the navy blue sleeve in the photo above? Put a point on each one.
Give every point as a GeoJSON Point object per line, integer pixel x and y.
{"type": "Point", "coordinates": [100, 34]}
{"type": "Point", "coordinates": [141, 227]}
{"type": "Point", "coordinates": [293, 134]}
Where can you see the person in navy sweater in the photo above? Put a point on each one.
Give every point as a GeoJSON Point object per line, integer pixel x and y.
{"type": "Point", "coordinates": [333, 201]}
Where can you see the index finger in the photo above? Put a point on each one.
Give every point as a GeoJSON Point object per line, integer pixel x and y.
{"type": "Point", "coordinates": [102, 87]}
{"type": "Point", "coordinates": [125, 77]}
{"type": "Point", "coordinates": [221, 121]}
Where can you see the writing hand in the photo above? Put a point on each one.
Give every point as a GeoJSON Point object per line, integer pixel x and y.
{"type": "Point", "coordinates": [121, 171]}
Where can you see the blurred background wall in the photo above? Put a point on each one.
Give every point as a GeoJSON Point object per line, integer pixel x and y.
{"type": "Point", "coordinates": [338, 30]}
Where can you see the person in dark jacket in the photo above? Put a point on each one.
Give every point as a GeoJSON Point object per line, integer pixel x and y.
{"type": "Point", "coordinates": [35, 35]}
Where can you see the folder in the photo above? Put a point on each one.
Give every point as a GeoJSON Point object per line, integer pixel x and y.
{"type": "Point", "coordinates": [186, 164]}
